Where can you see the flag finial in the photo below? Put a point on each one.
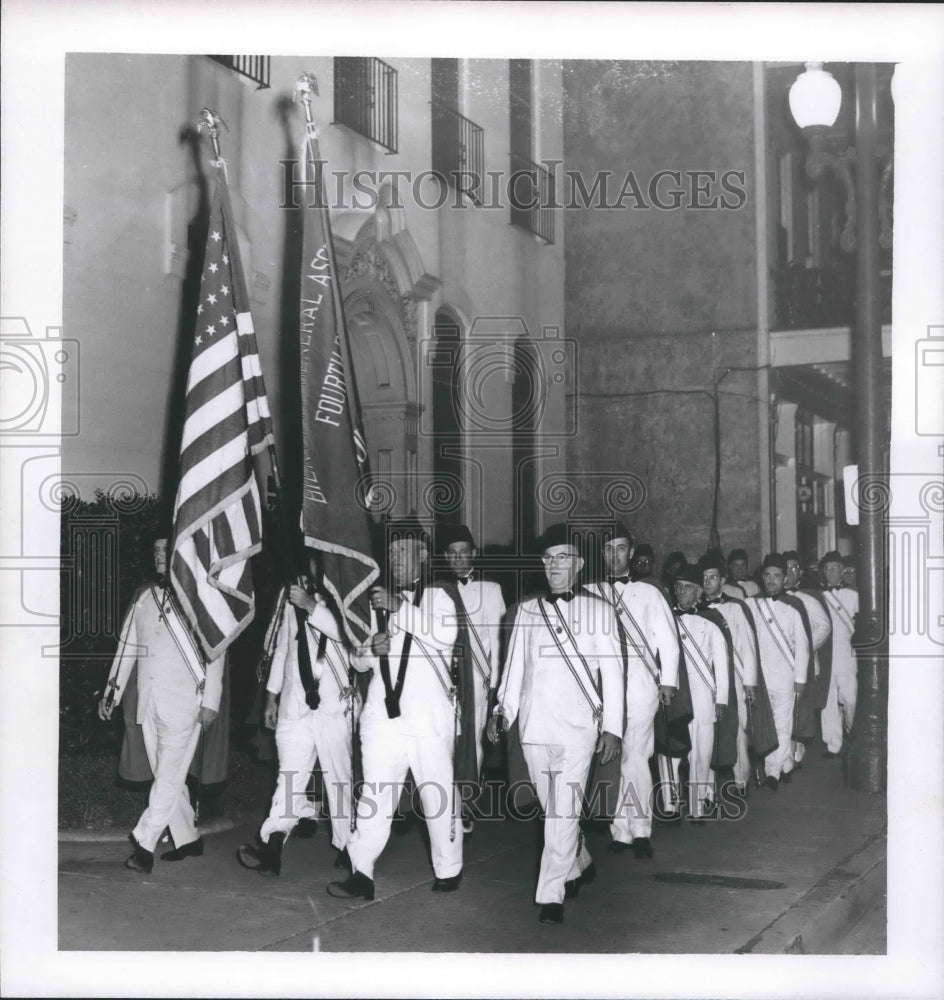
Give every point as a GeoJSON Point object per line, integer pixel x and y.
{"type": "Point", "coordinates": [305, 86]}
{"type": "Point", "coordinates": [211, 121]}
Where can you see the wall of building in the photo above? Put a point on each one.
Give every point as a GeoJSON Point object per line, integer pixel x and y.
{"type": "Point", "coordinates": [662, 301]}
{"type": "Point", "coordinates": [130, 191]}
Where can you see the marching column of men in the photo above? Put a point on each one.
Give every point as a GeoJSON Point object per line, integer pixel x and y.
{"type": "Point", "coordinates": [607, 672]}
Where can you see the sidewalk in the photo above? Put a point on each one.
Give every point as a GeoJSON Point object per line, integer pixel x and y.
{"type": "Point", "coordinates": [794, 875]}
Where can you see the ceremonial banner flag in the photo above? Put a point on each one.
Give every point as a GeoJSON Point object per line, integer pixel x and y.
{"type": "Point", "coordinates": [217, 518]}
{"type": "Point", "coordinates": [336, 475]}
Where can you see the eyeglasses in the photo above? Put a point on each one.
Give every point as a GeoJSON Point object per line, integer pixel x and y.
{"type": "Point", "coordinates": [558, 559]}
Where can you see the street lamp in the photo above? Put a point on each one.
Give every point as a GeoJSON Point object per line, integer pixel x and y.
{"type": "Point", "coordinates": [815, 99]}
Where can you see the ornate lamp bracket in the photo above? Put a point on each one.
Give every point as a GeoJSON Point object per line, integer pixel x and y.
{"type": "Point", "coordinates": [820, 159]}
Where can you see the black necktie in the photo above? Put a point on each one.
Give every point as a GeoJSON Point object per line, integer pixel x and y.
{"type": "Point", "coordinates": [618, 579]}
{"type": "Point", "coordinates": [566, 596]}
{"type": "Point", "coordinates": [312, 697]}
{"type": "Point", "coordinates": [463, 580]}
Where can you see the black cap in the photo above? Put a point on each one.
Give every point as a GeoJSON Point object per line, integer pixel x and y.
{"type": "Point", "coordinates": [831, 556]}
{"type": "Point", "coordinates": [689, 573]}
{"type": "Point", "coordinates": [775, 559]}
{"type": "Point", "coordinates": [407, 528]}
{"type": "Point", "coordinates": [618, 530]}
{"type": "Point", "coordinates": [645, 549]}
{"type": "Point", "coordinates": [737, 554]}
{"type": "Point", "coordinates": [560, 534]}
{"type": "Point", "coordinates": [711, 560]}
{"type": "Point", "coordinates": [446, 534]}
{"type": "Point", "coordinates": [790, 554]}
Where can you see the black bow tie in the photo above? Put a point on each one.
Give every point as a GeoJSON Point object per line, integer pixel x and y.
{"type": "Point", "coordinates": [840, 587]}
{"type": "Point", "coordinates": [715, 600]}
{"type": "Point", "coordinates": [686, 611]}
{"type": "Point", "coordinates": [618, 579]}
{"type": "Point", "coordinates": [566, 596]}
{"type": "Point", "coordinates": [463, 580]}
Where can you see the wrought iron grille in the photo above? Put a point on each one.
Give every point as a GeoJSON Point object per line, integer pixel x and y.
{"type": "Point", "coordinates": [255, 68]}
{"type": "Point", "coordinates": [531, 194]}
{"type": "Point", "coordinates": [458, 151]}
{"type": "Point", "coordinates": [814, 298]}
{"type": "Point", "coordinates": [365, 98]}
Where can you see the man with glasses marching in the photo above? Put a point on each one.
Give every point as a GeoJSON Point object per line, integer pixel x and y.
{"type": "Point", "coordinates": [563, 682]}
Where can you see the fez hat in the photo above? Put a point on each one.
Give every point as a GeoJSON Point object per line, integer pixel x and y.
{"type": "Point", "coordinates": [407, 528]}
{"type": "Point", "coordinates": [644, 550]}
{"type": "Point", "coordinates": [790, 554]}
{"type": "Point", "coordinates": [775, 559]}
{"type": "Point", "coordinates": [446, 534]}
{"type": "Point", "coordinates": [711, 560]}
{"type": "Point", "coordinates": [737, 554]}
{"type": "Point", "coordinates": [560, 534]}
{"type": "Point", "coordinates": [618, 530]}
{"type": "Point", "coordinates": [831, 556]}
{"type": "Point", "coordinates": [689, 574]}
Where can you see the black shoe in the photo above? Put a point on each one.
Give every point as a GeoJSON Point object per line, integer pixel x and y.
{"type": "Point", "coordinates": [266, 859]}
{"type": "Point", "coordinates": [355, 886]}
{"type": "Point", "coordinates": [589, 875]}
{"type": "Point", "coordinates": [141, 860]}
{"type": "Point", "coordinates": [829, 754]}
{"type": "Point", "coordinates": [642, 847]}
{"type": "Point", "coordinates": [343, 862]}
{"type": "Point", "coordinates": [552, 913]}
{"type": "Point", "coordinates": [447, 884]}
{"type": "Point", "coordinates": [617, 847]}
{"type": "Point", "coordinates": [772, 783]}
{"type": "Point", "coordinates": [786, 778]}
{"type": "Point", "coordinates": [572, 886]}
{"type": "Point", "coordinates": [305, 828]}
{"type": "Point", "coordinates": [192, 850]}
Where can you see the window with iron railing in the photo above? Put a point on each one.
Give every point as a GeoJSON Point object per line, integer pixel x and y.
{"type": "Point", "coordinates": [365, 99]}
{"type": "Point", "coordinates": [255, 68]}
{"type": "Point", "coordinates": [458, 151]}
{"type": "Point", "coordinates": [531, 194]}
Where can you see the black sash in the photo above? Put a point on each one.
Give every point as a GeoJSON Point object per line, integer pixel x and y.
{"type": "Point", "coordinates": [392, 693]}
{"type": "Point", "coordinates": [312, 697]}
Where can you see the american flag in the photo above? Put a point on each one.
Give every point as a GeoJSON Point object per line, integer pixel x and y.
{"type": "Point", "coordinates": [217, 517]}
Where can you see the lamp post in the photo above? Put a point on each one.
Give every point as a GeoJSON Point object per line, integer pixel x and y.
{"type": "Point", "coordinates": [814, 102]}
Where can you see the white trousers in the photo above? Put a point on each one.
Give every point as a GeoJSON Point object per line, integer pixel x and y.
{"type": "Point", "coordinates": [634, 809]}
{"type": "Point", "coordinates": [388, 755]}
{"type": "Point", "coordinates": [171, 731]}
{"type": "Point", "coordinates": [560, 778]}
{"type": "Point", "coordinates": [839, 711]}
{"type": "Point", "coordinates": [301, 742]}
{"type": "Point", "coordinates": [481, 708]}
{"type": "Point", "coordinates": [701, 731]}
{"type": "Point", "coordinates": [780, 761]}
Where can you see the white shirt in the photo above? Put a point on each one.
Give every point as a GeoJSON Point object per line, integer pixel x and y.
{"type": "Point", "coordinates": [330, 673]}
{"type": "Point", "coordinates": [706, 655]}
{"type": "Point", "coordinates": [544, 689]}
{"type": "Point", "coordinates": [485, 608]}
{"type": "Point", "coordinates": [781, 637]}
{"type": "Point", "coordinates": [647, 620]}
{"type": "Point", "coordinates": [425, 706]}
{"type": "Point", "coordinates": [169, 667]}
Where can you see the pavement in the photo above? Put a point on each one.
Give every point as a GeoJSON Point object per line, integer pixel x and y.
{"type": "Point", "coordinates": [802, 872]}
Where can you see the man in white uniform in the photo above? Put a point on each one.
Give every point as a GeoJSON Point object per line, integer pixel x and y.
{"type": "Point", "coordinates": [177, 694]}
{"type": "Point", "coordinates": [309, 703]}
{"type": "Point", "coordinates": [649, 647]}
{"type": "Point", "coordinates": [744, 651]}
{"type": "Point", "coordinates": [820, 628]}
{"type": "Point", "coordinates": [738, 573]}
{"type": "Point", "coordinates": [563, 682]}
{"type": "Point", "coordinates": [843, 605]}
{"type": "Point", "coordinates": [706, 655]}
{"type": "Point", "coordinates": [784, 658]}
{"type": "Point", "coordinates": [485, 608]}
{"type": "Point", "coordinates": [409, 721]}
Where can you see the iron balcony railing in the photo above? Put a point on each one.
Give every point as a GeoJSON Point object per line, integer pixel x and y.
{"type": "Point", "coordinates": [531, 194]}
{"type": "Point", "coordinates": [458, 151]}
{"type": "Point", "coordinates": [365, 98]}
{"type": "Point", "coordinates": [255, 68]}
